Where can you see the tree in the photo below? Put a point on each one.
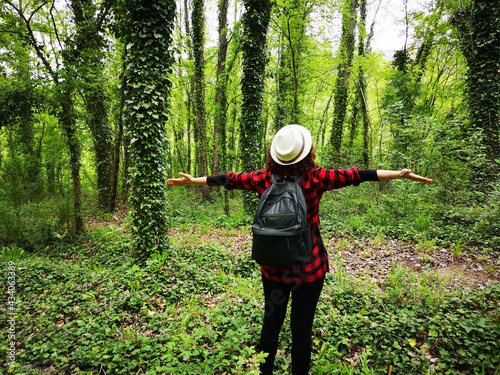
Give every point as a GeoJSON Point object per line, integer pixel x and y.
{"type": "Point", "coordinates": [200, 124]}
{"type": "Point", "coordinates": [255, 22]}
{"type": "Point", "coordinates": [478, 28]}
{"type": "Point", "coordinates": [85, 52]}
{"type": "Point", "coordinates": [404, 100]}
{"type": "Point", "coordinates": [63, 78]}
{"type": "Point", "coordinates": [292, 25]}
{"type": "Point", "coordinates": [346, 50]}
{"type": "Point", "coordinates": [361, 101]}
{"type": "Point", "coordinates": [220, 120]}
{"type": "Point", "coordinates": [149, 62]}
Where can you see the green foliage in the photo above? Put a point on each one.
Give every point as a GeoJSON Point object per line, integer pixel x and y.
{"type": "Point", "coordinates": [478, 27]}
{"type": "Point", "coordinates": [405, 327]}
{"type": "Point", "coordinates": [150, 26]}
{"type": "Point", "coordinates": [11, 254]}
{"type": "Point", "coordinates": [102, 309]}
{"type": "Point", "coordinates": [33, 224]}
{"type": "Point", "coordinates": [21, 172]}
{"type": "Point", "coordinates": [410, 211]}
{"type": "Point", "coordinates": [90, 306]}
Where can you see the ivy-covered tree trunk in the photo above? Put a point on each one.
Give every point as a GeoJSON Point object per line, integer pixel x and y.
{"type": "Point", "coordinates": [360, 100]}
{"type": "Point", "coordinates": [149, 63]}
{"type": "Point", "coordinates": [200, 123]}
{"type": "Point", "coordinates": [88, 59]}
{"type": "Point", "coordinates": [342, 82]}
{"type": "Point", "coordinates": [220, 120]}
{"type": "Point", "coordinates": [478, 26]}
{"type": "Point", "coordinates": [118, 143]}
{"type": "Point", "coordinates": [189, 87]}
{"type": "Point", "coordinates": [255, 22]}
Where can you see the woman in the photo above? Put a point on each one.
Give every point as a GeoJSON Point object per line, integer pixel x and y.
{"type": "Point", "coordinates": [292, 153]}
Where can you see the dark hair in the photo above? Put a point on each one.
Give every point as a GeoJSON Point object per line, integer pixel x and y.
{"type": "Point", "coordinates": [309, 162]}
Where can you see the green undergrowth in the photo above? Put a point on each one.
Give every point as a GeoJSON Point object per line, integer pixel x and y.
{"type": "Point", "coordinates": [413, 212]}
{"type": "Point", "coordinates": [88, 307]}
{"type": "Point", "coordinates": [400, 209]}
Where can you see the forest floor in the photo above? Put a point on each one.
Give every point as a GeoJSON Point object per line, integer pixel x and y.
{"type": "Point", "coordinates": [372, 259]}
{"type": "Point", "coordinates": [89, 307]}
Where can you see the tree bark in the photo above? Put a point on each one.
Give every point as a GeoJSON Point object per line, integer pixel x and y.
{"type": "Point", "coordinates": [255, 23]}
{"type": "Point", "coordinates": [149, 62]}
{"type": "Point", "coordinates": [342, 82]}
{"type": "Point", "coordinates": [69, 125]}
{"type": "Point", "coordinates": [478, 27]}
{"type": "Point", "coordinates": [90, 24]}
{"type": "Point", "coordinates": [220, 152]}
{"type": "Point", "coordinates": [200, 124]}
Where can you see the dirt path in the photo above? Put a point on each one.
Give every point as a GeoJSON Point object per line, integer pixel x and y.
{"type": "Point", "coordinates": [472, 269]}
{"type": "Point", "coordinates": [372, 258]}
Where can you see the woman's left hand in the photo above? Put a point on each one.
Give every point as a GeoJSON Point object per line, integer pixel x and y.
{"type": "Point", "coordinates": [187, 180]}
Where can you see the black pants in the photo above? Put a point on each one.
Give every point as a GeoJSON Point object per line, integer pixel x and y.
{"type": "Point", "coordinates": [304, 300]}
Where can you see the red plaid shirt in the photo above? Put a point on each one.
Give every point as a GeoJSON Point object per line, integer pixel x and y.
{"type": "Point", "coordinates": [314, 183]}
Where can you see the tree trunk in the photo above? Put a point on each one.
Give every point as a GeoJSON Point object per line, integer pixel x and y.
{"type": "Point", "coordinates": [478, 27]}
{"type": "Point", "coordinates": [200, 124]}
{"type": "Point", "coordinates": [360, 102]}
{"type": "Point", "coordinates": [255, 23]}
{"type": "Point", "coordinates": [220, 152]}
{"type": "Point", "coordinates": [118, 142]}
{"type": "Point", "coordinates": [149, 59]}
{"type": "Point", "coordinates": [293, 24]}
{"type": "Point", "coordinates": [342, 82]}
{"type": "Point", "coordinates": [90, 22]}
{"type": "Point", "coordinates": [69, 125]}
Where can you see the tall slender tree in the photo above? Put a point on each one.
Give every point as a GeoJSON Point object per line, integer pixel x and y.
{"type": "Point", "coordinates": [255, 22]}
{"type": "Point", "coordinates": [346, 51]}
{"type": "Point", "coordinates": [86, 53]}
{"type": "Point", "coordinates": [200, 124]}
{"type": "Point", "coordinates": [478, 26]}
{"type": "Point", "coordinates": [220, 120]}
{"type": "Point", "coordinates": [292, 25]}
{"type": "Point", "coordinates": [361, 101]}
{"type": "Point", "coordinates": [149, 61]}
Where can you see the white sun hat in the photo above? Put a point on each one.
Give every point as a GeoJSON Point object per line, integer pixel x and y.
{"type": "Point", "coordinates": [291, 144]}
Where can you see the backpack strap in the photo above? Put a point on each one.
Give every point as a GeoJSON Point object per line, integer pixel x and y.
{"type": "Point", "coordinates": [298, 178]}
{"type": "Point", "coordinates": [274, 178]}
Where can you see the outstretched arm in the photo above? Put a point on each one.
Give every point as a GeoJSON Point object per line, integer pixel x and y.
{"type": "Point", "coordinates": [187, 180]}
{"type": "Point", "coordinates": [405, 173]}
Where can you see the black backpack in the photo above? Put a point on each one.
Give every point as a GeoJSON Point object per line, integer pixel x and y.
{"type": "Point", "coordinates": [281, 233]}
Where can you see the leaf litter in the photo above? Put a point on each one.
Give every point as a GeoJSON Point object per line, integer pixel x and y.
{"type": "Point", "coordinates": [372, 259]}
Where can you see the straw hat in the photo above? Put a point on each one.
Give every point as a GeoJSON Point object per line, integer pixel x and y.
{"type": "Point", "coordinates": [291, 144]}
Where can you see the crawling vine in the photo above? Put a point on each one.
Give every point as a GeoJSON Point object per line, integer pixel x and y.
{"type": "Point", "coordinates": [148, 66]}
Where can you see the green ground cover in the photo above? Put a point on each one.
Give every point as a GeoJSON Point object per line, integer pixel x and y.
{"type": "Point", "coordinates": [86, 306]}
